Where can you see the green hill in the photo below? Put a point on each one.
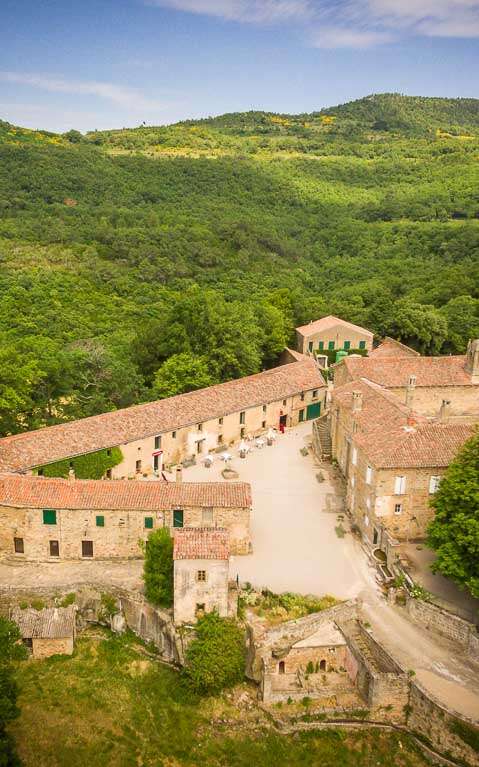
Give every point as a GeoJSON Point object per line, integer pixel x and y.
{"type": "Point", "coordinates": [213, 238]}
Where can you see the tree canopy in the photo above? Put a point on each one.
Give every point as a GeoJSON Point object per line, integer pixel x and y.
{"type": "Point", "coordinates": [215, 658]}
{"type": "Point", "coordinates": [158, 568]}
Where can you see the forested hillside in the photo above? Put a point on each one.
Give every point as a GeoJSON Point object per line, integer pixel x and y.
{"type": "Point", "coordinates": [138, 263]}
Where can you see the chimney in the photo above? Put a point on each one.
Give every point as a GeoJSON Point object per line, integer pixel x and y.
{"type": "Point", "coordinates": [472, 360]}
{"type": "Point", "coordinates": [445, 411]}
{"type": "Point", "coordinates": [411, 386]}
{"type": "Point", "coordinates": [179, 473]}
{"type": "Point", "coordinates": [357, 401]}
{"type": "Point", "coordinates": [411, 421]}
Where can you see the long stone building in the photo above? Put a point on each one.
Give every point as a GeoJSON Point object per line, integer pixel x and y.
{"type": "Point", "coordinates": [43, 519]}
{"type": "Point", "coordinates": [175, 429]}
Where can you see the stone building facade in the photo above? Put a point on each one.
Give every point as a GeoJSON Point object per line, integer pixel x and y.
{"type": "Point", "coordinates": [392, 458]}
{"type": "Point", "coordinates": [332, 333]}
{"type": "Point", "coordinates": [45, 519]}
{"type": "Point", "coordinates": [201, 573]}
{"type": "Point", "coordinates": [175, 429]}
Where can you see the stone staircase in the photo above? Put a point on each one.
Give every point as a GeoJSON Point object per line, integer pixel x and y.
{"type": "Point", "coordinates": [322, 438]}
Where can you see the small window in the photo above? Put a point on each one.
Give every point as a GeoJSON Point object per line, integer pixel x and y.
{"type": "Point", "coordinates": [200, 427]}
{"type": "Point", "coordinates": [281, 667]}
{"type": "Point", "coordinates": [330, 345]}
{"type": "Point", "coordinates": [201, 575]}
{"type": "Point", "coordinates": [108, 474]}
{"type": "Point", "coordinates": [263, 424]}
{"type": "Point", "coordinates": [100, 520]}
{"type": "Point", "coordinates": [242, 432]}
{"type": "Point", "coordinates": [264, 408]}
{"type": "Point", "coordinates": [362, 344]}
{"type": "Point", "coordinates": [18, 546]}
{"type": "Point", "coordinates": [178, 518]}
{"type": "Point", "coordinates": [173, 434]}
{"type": "Point", "coordinates": [220, 421]}
{"type": "Point", "coordinates": [242, 417]}
{"type": "Point", "coordinates": [284, 403]}
{"type": "Point", "coordinates": [399, 485]}
{"type": "Point", "coordinates": [49, 517]}
{"type": "Point", "coordinates": [301, 415]}
{"type": "Point", "coordinates": [398, 508]}
{"type": "Point", "coordinates": [347, 345]}
{"type": "Point", "coordinates": [321, 346]}
{"type": "Point", "coordinates": [310, 346]}
{"type": "Point", "coordinates": [220, 439]}
{"type": "Point", "coordinates": [302, 396]}
{"type": "Point", "coordinates": [322, 665]}
{"type": "Point", "coordinates": [315, 393]}
{"type": "Point", "coordinates": [138, 466]}
{"type": "Point", "coordinates": [369, 475]}
{"type": "Point", "coordinates": [108, 452]}
{"type": "Point", "coordinates": [200, 608]}
{"type": "Point", "coordinates": [207, 516]}
{"type": "Point", "coordinates": [354, 456]}
{"type": "Point", "coordinates": [434, 483]}
{"type": "Point", "coordinates": [87, 548]}
{"type": "Point", "coordinates": [157, 443]}
{"type": "Point", "coordinates": [54, 549]}
{"type": "Point", "coordinates": [156, 462]}
{"type": "Point", "coordinates": [39, 472]}
{"type": "Point", "coordinates": [149, 523]}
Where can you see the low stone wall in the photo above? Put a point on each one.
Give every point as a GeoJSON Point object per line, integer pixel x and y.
{"type": "Point", "coordinates": [439, 726]}
{"type": "Point", "coordinates": [440, 621]}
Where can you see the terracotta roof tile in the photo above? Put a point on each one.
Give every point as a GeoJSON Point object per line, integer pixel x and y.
{"type": "Point", "coordinates": [395, 371]}
{"type": "Point", "coordinates": [35, 448]}
{"type": "Point", "coordinates": [392, 348]}
{"type": "Point", "coordinates": [328, 322]}
{"type": "Point", "coordinates": [46, 493]}
{"type": "Point", "coordinates": [200, 543]}
{"type": "Point", "coordinates": [392, 435]}
{"type": "Point", "coordinates": [50, 623]}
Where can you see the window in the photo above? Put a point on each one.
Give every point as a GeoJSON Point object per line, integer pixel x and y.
{"type": "Point", "coordinates": [54, 549]}
{"type": "Point", "coordinates": [399, 485]}
{"type": "Point", "coordinates": [347, 345]}
{"type": "Point", "coordinates": [40, 473]}
{"type": "Point", "coordinates": [178, 518]}
{"type": "Point", "coordinates": [263, 424]}
{"type": "Point", "coordinates": [201, 575]}
{"type": "Point", "coordinates": [108, 452]}
{"type": "Point", "coordinates": [301, 415]}
{"type": "Point", "coordinates": [49, 517]}
{"type": "Point", "coordinates": [242, 432]}
{"type": "Point", "coordinates": [330, 345]}
{"type": "Point", "coordinates": [108, 474]}
{"type": "Point", "coordinates": [302, 396]}
{"type": "Point", "coordinates": [354, 456]}
{"type": "Point", "coordinates": [398, 508]}
{"type": "Point", "coordinates": [242, 417]}
{"type": "Point", "coordinates": [220, 421]}
{"type": "Point", "coordinates": [315, 393]}
{"type": "Point", "coordinates": [362, 344]}
{"type": "Point", "coordinates": [321, 346]}
{"type": "Point", "coordinates": [310, 346]}
{"type": "Point", "coordinates": [369, 475]}
{"type": "Point", "coordinates": [200, 427]}
{"type": "Point", "coordinates": [149, 523]}
{"type": "Point", "coordinates": [100, 520]}
{"type": "Point", "coordinates": [138, 466]}
{"type": "Point", "coordinates": [281, 667]}
{"type": "Point", "coordinates": [322, 665]}
{"type": "Point", "coordinates": [157, 443]}
{"type": "Point", "coordinates": [156, 462]}
{"type": "Point", "coordinates": [207, 515]}
{"type": "Point", "coordinates": [87, 548]}
{"type": "Point", "coordinates": [18, 546]}
{"type": "Point", "coordinates": [434, 483]}
{"type": "Point", "coordinates": [284, 403]}
{"type": "Point", "coordinates": [200, 608]}
{"type": "Point", "coordinates": [220, 439]}
{"type": "Point", "coordinates": [264, 408]}
{"type": "Point", "coordinates": [173, 434]}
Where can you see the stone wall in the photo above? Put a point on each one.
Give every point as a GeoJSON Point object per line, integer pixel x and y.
{"type": "Point", "coordinates": [116, 538]}
{"type": "Point", "coordinates": [337, 334]}
{"type": "Point", "coordinates": [190, 592]}
{"type": "Point", "coordinates": [43, 648]}
{"type": "Point", "coordinates": [448, 625]}
{"type": "Point", "coordinates": [427, 400]}
{"type": "Point", "coordinates": [434, 722]}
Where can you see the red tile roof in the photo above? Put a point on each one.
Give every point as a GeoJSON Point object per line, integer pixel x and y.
{"type": "Point", "coordinates": [200, 543]}
{"type": "Point", "coordinates": [50, 623]}
{"type": "Point", "coordinates": [394, 372]}
{"type": "Point", "coordinates": [329, 322]}
{"type": "Point", "coordinates": [45, 493]}
{"type": "Point", "coordinates": [392, 435]}
{"type": "Point", "coordinates": [392, 348]}
{"type": "Point", "coordinates": [36, 448]}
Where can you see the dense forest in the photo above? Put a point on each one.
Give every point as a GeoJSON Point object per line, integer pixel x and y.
{"type": "Point", "coordinates": [138, 263]}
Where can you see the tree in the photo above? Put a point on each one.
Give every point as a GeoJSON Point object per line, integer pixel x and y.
{"type": "Point", "coordinates": [158, 568]}
{"type": "Point", "coordinates": [181, 373]}
{"type": "Point", "coordinates": [418, 325]}
{"type": "Point", "coordinates": [11, 649]}
{"type": "Point", "coordinates": [462, 317]}
{"type": "Point", "coordinates": [215, 658]}
{"type": "Point", "coordinates": [454, 531]}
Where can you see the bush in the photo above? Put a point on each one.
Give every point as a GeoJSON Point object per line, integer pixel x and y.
{"type": "Point", "coordinates": [215, 658]}
{"type": "Point", "coordinates": [89, 466]}
{"type": "Point", "coordinates": [158, 568]}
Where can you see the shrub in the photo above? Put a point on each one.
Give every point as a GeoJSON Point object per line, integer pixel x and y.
{"type": "Point", "coordinates": [68, 599]}
{"type": "Point", "coordinates": [215, 658]}
{"type": "Point", "coordinates": [89, 466]}
{"type": "Point", "coordinates": [158, 568]}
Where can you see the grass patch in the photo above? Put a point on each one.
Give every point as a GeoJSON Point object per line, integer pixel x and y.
{"type": "Point", "coordinates": [108, 705]}
{"type": "Point", "coordinates": [276, 608]}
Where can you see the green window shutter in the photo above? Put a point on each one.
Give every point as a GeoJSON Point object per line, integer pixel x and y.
{"type": "Point", "coordinates": [49, 517]}
{"type": "Point", "coordinates": [178, 518]}
{"type": "Point", "coordinates": [362, 344]}
{"type": "Point", "coordinates": [347, 345]}
{"type": "Point", "coordinates": [100, 521]}
{"type": "Point", "coordinates": [331, 345]}
{"type": "Point", "coordinates": [321, 346]}
{"type": "Point", "coordinates": [149, 523]}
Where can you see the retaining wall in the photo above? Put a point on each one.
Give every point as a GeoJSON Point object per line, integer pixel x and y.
{"type": "Point", "coordinates": [448, 625]}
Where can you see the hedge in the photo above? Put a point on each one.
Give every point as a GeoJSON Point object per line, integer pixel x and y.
{"type": "Point", "coordinates": [88, 466]}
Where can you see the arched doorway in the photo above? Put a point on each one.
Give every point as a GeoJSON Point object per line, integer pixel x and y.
{"type": "Point", "coordinates": [322, 665]}
{"type": "Point", "coordinates": [281, 667]}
